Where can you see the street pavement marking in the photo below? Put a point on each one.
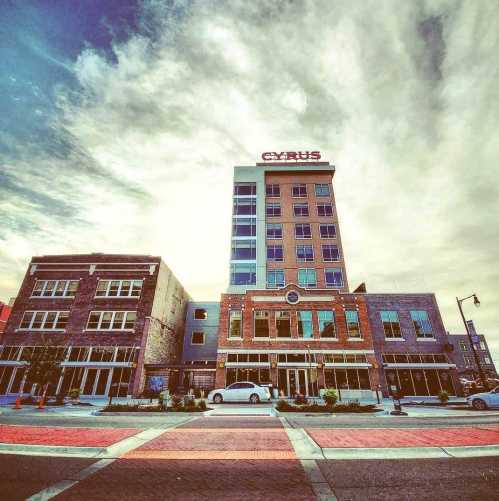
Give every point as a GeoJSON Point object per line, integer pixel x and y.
{"type": "Point", "coordinates": [201, 455]}
{"type": "Point", "coordinates": [51, 450]}
{"type": "Point", "coordinates": [112, 453]}
{"type": "Point", "coordinates": [320, 485]}
{"type": "Point", "coordinates": [308, 451]}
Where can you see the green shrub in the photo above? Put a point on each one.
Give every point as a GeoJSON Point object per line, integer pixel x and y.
{"type": "Point", "coordinates": [74, 393]}
{"type": "Point", "coordinates": [300, 399]}
{"type": "Point", "coordinates": [284, 406]}
{"type": "Point", "coordinates": [443, 396]}
{"type": "Point", "coordinates": [330, 396]}
{"type": "Point", "coordinates": [202, 405]}
{"type": "Point", "coordinates": [177, 402]}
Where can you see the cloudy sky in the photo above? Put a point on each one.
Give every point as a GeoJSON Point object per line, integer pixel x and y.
{"type": "Point", "coordinates": [121, 121]}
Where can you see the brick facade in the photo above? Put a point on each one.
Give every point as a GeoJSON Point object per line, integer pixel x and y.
{"type": "Point", "coordinates": [408, 342]}
{"type": "Point", "coordinates": [160, 309]}
{"type": "Point", "coordinates": [310, 300]}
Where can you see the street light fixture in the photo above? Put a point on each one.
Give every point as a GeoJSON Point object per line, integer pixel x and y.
{"type": "Point", "coordinates": [476, 302]}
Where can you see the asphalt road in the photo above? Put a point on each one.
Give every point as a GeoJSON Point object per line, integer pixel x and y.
{"type": "Point", "coordinates": [428, 479]}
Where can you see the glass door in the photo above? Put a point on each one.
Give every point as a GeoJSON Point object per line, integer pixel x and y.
{"type": "Point", "coordinates": [96, 382]}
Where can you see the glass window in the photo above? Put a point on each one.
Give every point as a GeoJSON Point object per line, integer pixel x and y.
{"type": "Point", "coordinates": [330, 252]}
{"type": "Point", "coordinates": [283, 323]}
{"type": "Point", "coordinates": [303, 231]}
{"type": "Point", "coordinates": [235, 323]}
{"type": "Point", "coordinates": [243, 274]}
{"type": "Point", "coordinates": [324, 210]}
{"type": "Point", "coordinates": [352, 321]}
{"type": "Point", "coordinates": [26, 320]}
{"type": "Point", "coordinates": [327, 230]}
{"type": "Point", "coordinates": [321, 190]}
{"type": "Point", "coordinates": [304, 253]}
{"type": "Point", "coordinates": [275, 279]}
{"type": "Point", "coordinates": [334, 277]}
{"type": "Point", "coordinates": [483, 346]}
{"type": "Point", "coordinates": [463, 346]}
{"type": "Point", "coordinates": [273, 190]}
{"type": "Point", "coordinates": [300, 210]}
{"type": "Point", "coordinates": [262, 324]}
{"type": "Point", "coordinates": [327, 327]}
{"type": "Point", "coordinates": [243, 249]}
{"type": "Point", "coordinates": [37, 290]}
{"type": "Point", "coordinates": [93, 320]}
{"type": "Point", "coordinates": [244, 227]}
{"type": "Point", "coordinates": [62, 320]}
{"type": "Point", "coordinates": [274, 231]}
{"type": "Point", "coordinates": [274, 253]}
{"type": "Point", "coordinates": [307, 277]}
{"type": "Point", "coordinates": [197, 337]}
{"type": "Point", "coordinates": [391, 325]}
{"type": "Point", "coordinates": [273, 210]}
{"type": "Point", "coordinates": [200, 314]}
{"type": "Point", "coordinates": [299, 190]}
{"type": "Point", "coordinates": [305, 324]}
{"type": "Point", "coordinates": [55, 288]}
{"type": "Point", "coordinates": [244, 207]}
{"type": "Point", "coordinates": [244, 189]}
{"type": "Point", "coordinates": [421, 324]}
{"type": "Point", "coordinates": [118, 288]}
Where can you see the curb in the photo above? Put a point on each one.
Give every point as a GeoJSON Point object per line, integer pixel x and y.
{"type": "Point", "coordinates": [51, 450]}
{"type": "Point", "coordinates": [411, 452]}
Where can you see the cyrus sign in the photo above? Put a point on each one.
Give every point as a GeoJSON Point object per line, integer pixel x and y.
{"type": "Point", "coordinates": [270, 156]}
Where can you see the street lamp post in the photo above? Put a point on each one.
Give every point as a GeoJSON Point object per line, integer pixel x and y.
{"type": "Point", "coordinates": [473, 349]}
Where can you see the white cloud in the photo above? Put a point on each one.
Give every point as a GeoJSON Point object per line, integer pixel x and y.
{"type": "Point", "coordinates": [403, 97]}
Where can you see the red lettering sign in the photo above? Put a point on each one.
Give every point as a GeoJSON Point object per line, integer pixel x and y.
{"type": "Point", "coordinates": [281, 156]}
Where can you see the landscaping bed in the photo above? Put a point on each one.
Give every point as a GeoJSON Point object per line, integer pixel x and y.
{"type": "Point", "coordinates": [194, 407]}
{"type": "Point", "coordinates": [283, 406]}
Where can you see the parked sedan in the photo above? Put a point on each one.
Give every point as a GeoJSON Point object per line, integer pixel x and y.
{"type": "Point", "coordinates": [240, 392]}
{"type": "Point", "coordinates": [484, 400]}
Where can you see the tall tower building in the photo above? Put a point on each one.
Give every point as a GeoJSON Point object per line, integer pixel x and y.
{"type": "Point", "coordinates": [285, 228]}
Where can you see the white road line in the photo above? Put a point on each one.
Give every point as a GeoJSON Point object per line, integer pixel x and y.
{"type": "Point", "coordinates": [307, 452]}
{"type": "Point", "coordinates": [109, 455]}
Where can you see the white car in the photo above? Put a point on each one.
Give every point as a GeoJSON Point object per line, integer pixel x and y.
{"type": "Point", "coordinates": [242, 391]}
{"type": "Point", "coordinates": [484, 400]}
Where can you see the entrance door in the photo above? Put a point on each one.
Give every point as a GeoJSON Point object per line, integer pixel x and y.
{"type": "Point", "coordinates": [96, 382]}
{"type": "Point", "coordinates": [297, 382]}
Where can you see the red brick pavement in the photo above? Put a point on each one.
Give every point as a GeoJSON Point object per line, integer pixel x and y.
{"type": "Point", "coordinates": [71, 437]}
{"type": "Point", "coordinates": [195, 480]}
{"type": "Point", "coordinates": [405, 437]}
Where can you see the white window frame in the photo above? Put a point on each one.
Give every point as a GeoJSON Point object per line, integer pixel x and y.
{"type": "Point", "coordinates": [300, 260]}
{"type": "Point", "coordinates": [308, 270]}
{"type": "Point", "coordinates": [301, 206]}
{"type": "Point", "coordinates": [328, 237]}
{"type": "Point", "coordinates": [334, 286]}
{"type": "Point", "coordinates": [192, 338]}
{"type": "Point", "coordinates": [111, 325]}
{"type": "Point", "coordinates": [302, 225]}
{"type": "Point", "coordinates": [120, 288]}
{"type": "Point", "coordinates": [299, 186]}
{"type": "Point", "coordinates": [274, 270]}
{"type": "Point", "coordinates": [325, 204]}
{"type": "Point", "coordinates": [44, 320]}
{"type": "Point", "coordinates": [330, 260]}
{"type": "Point", "coordinates": [44, 288]}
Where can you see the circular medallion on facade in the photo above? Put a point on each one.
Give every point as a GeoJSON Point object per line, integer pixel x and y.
{"type": "Point", "coordinates": [292, 297]}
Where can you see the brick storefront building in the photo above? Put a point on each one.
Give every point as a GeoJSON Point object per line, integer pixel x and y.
{"type": "Point", "coordinates": [297, 339]}
{"type": "Point", "coordinates": [108, 316]}
{"type": "Point", "coordinates": [413, 350]}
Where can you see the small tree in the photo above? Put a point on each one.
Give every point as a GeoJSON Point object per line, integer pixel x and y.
{"type": "Point", "coordinates": [330, 396]}
{"type": "Point", "coordinates": [43, 365]}
{"type": "Point", "coordinates": [443, 396]}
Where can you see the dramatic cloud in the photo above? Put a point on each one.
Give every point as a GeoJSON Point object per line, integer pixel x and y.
{"type": "Point", "coordinates": [403, 97]}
